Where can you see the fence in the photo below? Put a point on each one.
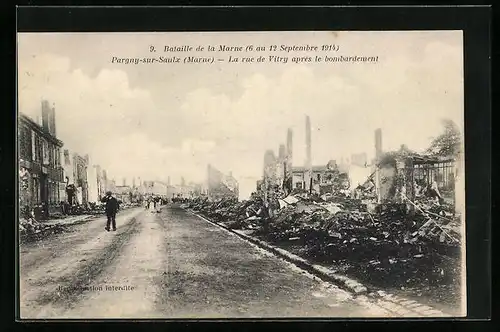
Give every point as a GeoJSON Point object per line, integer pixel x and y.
{"type": "Point", "coordinates": [442, 171]}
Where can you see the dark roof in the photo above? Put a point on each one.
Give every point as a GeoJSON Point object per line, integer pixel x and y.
{"type": "Point", "coordinates": [39, 129]}
{"type": "Point", "coordinates": [314, 168]}
{"type": "Point", "coordinates": [317, 168]}
{"type": "Point", "coordinates": [418, 159]}
{"type": "Point", "coordinates": [432, 159]}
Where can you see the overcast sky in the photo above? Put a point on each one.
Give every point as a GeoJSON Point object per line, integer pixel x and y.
{"type": "Point", "coordinates": [161, 120]}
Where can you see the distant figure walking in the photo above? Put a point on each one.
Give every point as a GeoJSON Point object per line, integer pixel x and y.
{"type": "Point", "coordinates": [158, 204]}
{"type": "Point", "coordinates": [111, 210]}
{"type": "Point", "coordinates": [152, 204]}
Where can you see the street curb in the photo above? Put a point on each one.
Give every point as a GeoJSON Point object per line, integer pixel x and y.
{"type": "Point", "coordinates": [385, 300]}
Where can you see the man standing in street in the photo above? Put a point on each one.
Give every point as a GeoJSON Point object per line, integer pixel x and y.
{"type": "Point", "coordinates": [111, 209]}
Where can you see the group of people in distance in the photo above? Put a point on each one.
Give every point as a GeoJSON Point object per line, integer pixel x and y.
{"type": "Point", "coordinates": [153, 203]}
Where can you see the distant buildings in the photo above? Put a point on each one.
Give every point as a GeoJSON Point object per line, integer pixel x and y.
{"type": "Point", "coordinates": [92, 183]}
{"type": "Point", "coordinates": [173, 191]}
{"type": "Point", "coordinates": [100, 181]}
{"type": "Point", "coordinates": [154, 188]}
{"type": "Point", "coordinates": [324, 179]}
{"type": "Point", "coordinates": [125, 194]}
{"type": "Point", "coordinates": [220, 185]}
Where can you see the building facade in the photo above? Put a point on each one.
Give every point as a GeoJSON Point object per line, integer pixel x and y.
{"type": "Point", "coordinates": [124, 194]}
{"type": "Point", "coordinates": [154, 188]}
{"type": "Point", "coordinates": [41, 174]}
{"type": "Point", "coordinates": [93, 184]}
{"type": "Point", "coordinates": [101, 186]}
{"type": "Point", "coordinates": [76, 175]}
{"type": "Point", "coordinates": [221, 186]}
{"type": "Point", "coordinates": [324, 179]}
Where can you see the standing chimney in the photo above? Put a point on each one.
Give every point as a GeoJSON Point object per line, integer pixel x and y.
{"type": "Point", "coordinates": [269, 174]}
{"type": "Point", "coordinates": [281, 164]}
{"type": "Point", "coordinates": [124, 182]}
{"type": "Point", "coordinates": [378, 143]}
{"type": "Point", "coordinates": [46, 115]}
{"type": "Point", "coordinates": [52, 120]}
{"type": "Point", "coordinates": [308, 164]}
{"type": "Point", "coordinates": [289, 147]}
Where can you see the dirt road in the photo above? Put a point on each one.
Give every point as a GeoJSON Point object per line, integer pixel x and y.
{"type": "Point", "coordinates": [169, 265]}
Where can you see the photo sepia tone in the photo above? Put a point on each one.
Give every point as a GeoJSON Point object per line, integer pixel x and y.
{"type": "Point", "coordinates": [241, 175]}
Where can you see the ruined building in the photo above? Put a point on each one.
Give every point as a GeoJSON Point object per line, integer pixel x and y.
{"type": "Point", "coordinates": [41, 174]}
{"type": "Point", "coordinates": [281, 165]}
{"type": "Point", "coordinates": [220, 185]}
{"type": "Point", "coordinates": [270, 183]}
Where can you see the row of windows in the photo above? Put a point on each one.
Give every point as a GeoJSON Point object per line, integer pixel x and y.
{"type": "Point", "coordinates": [32, 147]}
{"type": "Point", "coordinates": [53, 195]}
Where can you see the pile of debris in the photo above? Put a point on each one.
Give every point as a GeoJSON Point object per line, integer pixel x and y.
{"type": "Point", "coordinates": [376, 245]}
{"type": "Point", "coordinates": [228, 211]}
{"type": "Point", "coordinates": [341, 223]}
{"type": "Point", "coordinates": [30, 229]}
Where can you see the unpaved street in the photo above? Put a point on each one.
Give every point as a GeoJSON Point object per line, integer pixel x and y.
{"type": "Point", "coordinates": [169, 265]}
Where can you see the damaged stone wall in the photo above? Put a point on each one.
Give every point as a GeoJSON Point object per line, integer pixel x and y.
{"type": "Point", "coordinates": [387, 183]}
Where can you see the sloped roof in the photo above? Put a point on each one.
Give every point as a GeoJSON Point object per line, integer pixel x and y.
{"type": "Point", "coordinates": [314, 168]}
{"type": "Point", "coordinates": [422, 159]}
{"type": "Point", "coordinates": [418, 159]}
{"type": "Point", "coordinates": [299, 169]}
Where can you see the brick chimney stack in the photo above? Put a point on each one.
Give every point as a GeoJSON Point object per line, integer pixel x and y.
{"type": "Point", "coordinates": [48, 118]}
{"type": "Point", "coordinates": [52, 120]}
{"type": "Point", "coordinates": [45, 115]}
{"type": "Point", "coordinates": [378, 143]}
{"type": "Point", "coordinates": [308, 163]}
{"type": "Point", "coordinates": [289, 146]}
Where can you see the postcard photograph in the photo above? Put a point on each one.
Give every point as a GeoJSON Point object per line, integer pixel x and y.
{"type": "Point", "coordinates": [175, 175]}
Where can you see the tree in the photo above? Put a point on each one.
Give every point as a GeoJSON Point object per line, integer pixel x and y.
{"type": "Point", "coordinates": [449, 142]}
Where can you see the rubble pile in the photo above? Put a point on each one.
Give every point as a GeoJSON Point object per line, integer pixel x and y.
{"type": "Point", "coordinates": [386, 246]}
{"type": "Point", "coordinates": [30, 229]}
{"type": "Point", "coordinates": [389, 248]}
{"type": "Point", "coordinates": [341, 222]}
